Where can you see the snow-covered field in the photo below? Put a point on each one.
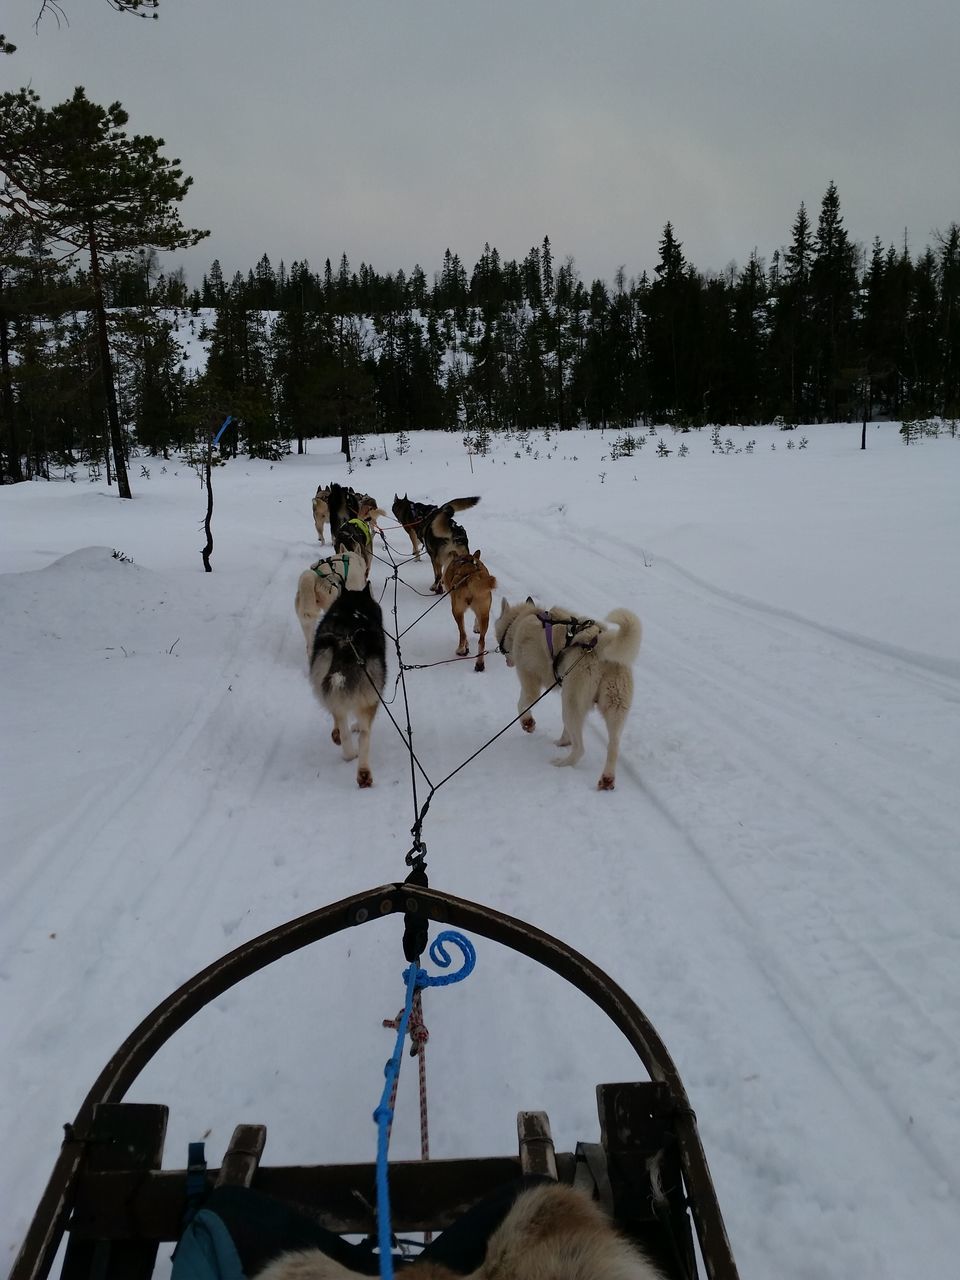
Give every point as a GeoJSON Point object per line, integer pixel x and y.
{"type": "Point", "coordinates": [775, 879]}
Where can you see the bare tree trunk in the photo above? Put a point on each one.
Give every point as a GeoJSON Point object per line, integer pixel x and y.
{"type": "Point", "coordinates": [208, 469]}
{"type": "Point", "coordinates": [345, 443]}
{"type": "Point", "coordinates": [106, 369]}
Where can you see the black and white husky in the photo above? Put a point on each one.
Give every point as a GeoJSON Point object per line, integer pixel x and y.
{"type": "Point", "coordinates": [348, 669]}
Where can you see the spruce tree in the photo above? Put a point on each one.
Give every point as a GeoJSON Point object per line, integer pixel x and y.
{"type": "Point", "coordinates": [793, 326]}
{"type": "Point", "coordinates": [948, 270]}
{"type": "Point", "coordinates": [546, 268]}
{"type": "Point", "coordinates": [833, 287]}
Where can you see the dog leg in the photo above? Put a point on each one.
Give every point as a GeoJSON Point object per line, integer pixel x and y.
{"type": "Point", "coordinates": [573, 717]}
{"type": "Point", "coordinates": [364, 724]}
{"type": "Point", "coordinates": [529, 692]}
{"type": "Point", "coordinates": [614, 698]}
{"type": "Point", "coordinates": [481, 622]}
{"type": "Point", "coordinates": [309, 627]}
{"type": "Point", "coordinates": [343, 737]}
{"type": "Point", "coordinates": [463, 646]}
{"type": "Point", "coordinates": [615, 717]}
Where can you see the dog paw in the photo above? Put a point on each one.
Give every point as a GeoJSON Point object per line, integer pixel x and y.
{"type": "Point", "coordinates": [364, 778]}
{"type": "Point", "coordinates": [463, 651]}
{"type": "Point", "coordinates": [335, 736]}
{"type": "Point", "coordinates": [478, 665]}
{"type": "Point", "coordinates": [528, 724]}
{"type": "Point", "coordinates": [605, 783]}
{"type": "Point", "coordinates": [562, 741]}
{"type": "Point", "coordinates": [560, 761]}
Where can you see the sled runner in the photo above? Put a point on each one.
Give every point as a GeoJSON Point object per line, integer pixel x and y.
{"type": "Point", "coordinates": [109, 1194]}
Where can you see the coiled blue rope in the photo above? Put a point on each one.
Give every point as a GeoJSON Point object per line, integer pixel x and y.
{"type": "Point", "coordinates": [414, 979]}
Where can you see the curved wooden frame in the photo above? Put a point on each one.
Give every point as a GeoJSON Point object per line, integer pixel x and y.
{"type": "Point", "coordinates": [47, 1228]}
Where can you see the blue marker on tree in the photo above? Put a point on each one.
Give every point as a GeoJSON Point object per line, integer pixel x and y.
{"type": "Point", "coordinates": [226, 422]}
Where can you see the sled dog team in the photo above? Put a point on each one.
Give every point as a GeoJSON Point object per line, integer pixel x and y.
{"type": "Point", "coordinates": [346, 646]}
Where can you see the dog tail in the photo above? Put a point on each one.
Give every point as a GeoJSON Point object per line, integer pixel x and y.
{"type": "Point", "coordinates": [461, 504]}
{"type": "Point", "coordinates": [621, 645]}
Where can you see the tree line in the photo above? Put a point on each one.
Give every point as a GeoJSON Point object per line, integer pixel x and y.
{"type": "Point", "coordinates": [91, 365]}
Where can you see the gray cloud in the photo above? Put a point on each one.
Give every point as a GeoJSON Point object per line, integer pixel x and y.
{"type": "Point", "coordinates": [392, 129]}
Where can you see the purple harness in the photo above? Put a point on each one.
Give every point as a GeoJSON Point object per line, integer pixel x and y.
{"type": "Point", "coordinates": [572, 628]}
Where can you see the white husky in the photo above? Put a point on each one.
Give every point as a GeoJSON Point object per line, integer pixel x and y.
{"type": "Point", "coordinates": [322, 583]}
{"type": "Point", "coordinates": [591, 661]}
{"type": "Point", "coordinates": [550, 1233]}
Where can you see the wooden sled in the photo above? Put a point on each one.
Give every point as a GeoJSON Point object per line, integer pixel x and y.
{"type": "Point", "coordinates": [108, 1192]}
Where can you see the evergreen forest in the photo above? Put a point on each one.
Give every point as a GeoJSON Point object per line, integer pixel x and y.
{"type": "Point", "coordinates": [92, 368]}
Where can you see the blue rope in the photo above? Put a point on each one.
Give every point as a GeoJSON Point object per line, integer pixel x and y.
{"type": "Point", "coordinates": [439, 956]}
{"type": "Point", "coordinates": [415, 979]}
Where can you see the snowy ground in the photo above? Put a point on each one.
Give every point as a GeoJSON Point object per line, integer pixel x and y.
{"type": "Point", "coordinates": [775, 878]}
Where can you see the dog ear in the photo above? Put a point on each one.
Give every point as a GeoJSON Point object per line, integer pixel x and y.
{"type": "Point", "coordinates": [530, 600]}
{"type": "Point", "coordinates": [503, 606]}
{"type": "Point", "coordinates": [476, 555]}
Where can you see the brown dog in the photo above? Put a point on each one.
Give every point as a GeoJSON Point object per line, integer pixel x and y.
{"type": "Point", "coordinates": [470, 585]}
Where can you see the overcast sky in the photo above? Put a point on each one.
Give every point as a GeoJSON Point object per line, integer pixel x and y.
{"type": "Point", "coordinates": [392, 129]}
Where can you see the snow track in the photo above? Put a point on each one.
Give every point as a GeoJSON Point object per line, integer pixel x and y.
{"type": "Point", "coordinates": [774, 878]}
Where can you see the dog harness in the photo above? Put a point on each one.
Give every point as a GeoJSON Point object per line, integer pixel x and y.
{"type": "Point", "coordinates": [364, 528]}
{"type": "Point", "coordinates": [332, 562]}
{"type": "Point", "coordinates": [572, 628]}
{"type": "Point", "coordinates": [465, 560]}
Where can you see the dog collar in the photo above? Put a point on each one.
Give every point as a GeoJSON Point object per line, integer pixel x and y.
{"type": "Point", "coordinates": [502, 646]}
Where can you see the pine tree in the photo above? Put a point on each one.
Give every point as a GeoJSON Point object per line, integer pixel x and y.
{"type": "Point", "coordinates": [668, 318]}
{"type": "Point", "coordinates": [948, 272]}
{"type": "Point", "coordinates": [546, 268]}
{"type": "Point", "coordinates": [73, 172]}
{"type": "Point", "coordinates": [532, 278]}
{"type": "Point", "coordinates": [793, 338]}
{"type": "Point", "coordinates": [749, 336]}
{"type": "Point", "coordinates": [922, 337]}
{"type": "Point", "coordinates": [833, 288]}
